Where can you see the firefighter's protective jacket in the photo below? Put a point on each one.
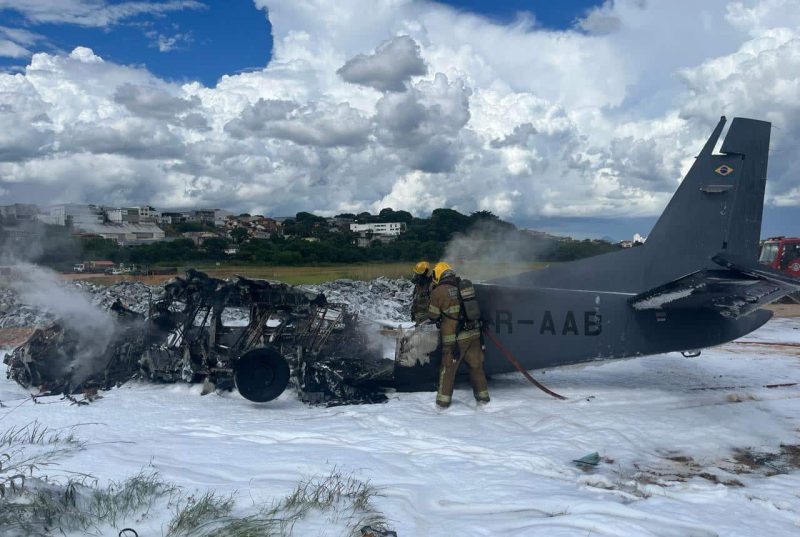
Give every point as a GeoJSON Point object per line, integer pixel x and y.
{"type": "Point", "coordinates": [445, 308]}
{"type": "Point", "coordinates": [421, 298]}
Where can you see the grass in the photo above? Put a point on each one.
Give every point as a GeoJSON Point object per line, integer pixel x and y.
{"type": "Point", "coordinates": [196, 512]}
{"type": "Point", "coordinates": [35, 499]}
{"type": "Point", "coordinates": [323, 273]}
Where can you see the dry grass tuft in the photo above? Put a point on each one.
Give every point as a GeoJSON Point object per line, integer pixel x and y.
{"type": "Point", "coordinates": [36, 498]}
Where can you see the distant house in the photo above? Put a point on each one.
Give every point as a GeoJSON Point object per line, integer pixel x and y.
{"type": "Point", "coordinates": [133, 215]}
{"type": "Point", "coordinates": [73, 214]}
{"type": "Point", "coordinates": [199, 237]}
{"type": "Point", "coordinates": [268, 224]}
{"type": "Point", "coordinates": [379, 231]}
{"type": "Point", "coordinates": [389, 229]}
{"type": "Point", "coordinates": [22, 235]}
{"type": "Point", "coordinates": [257, 226]}
{"type": "Point", "coordinates": [215, 217]}
{"type": "Point", "coordinates": [337, 224]}
{"type": "Point", "coordinates": [172, 217]}
{"type": "Point", "coordinates": [19, 212]}
{"type": "Point", "coordinates": [637, 241]}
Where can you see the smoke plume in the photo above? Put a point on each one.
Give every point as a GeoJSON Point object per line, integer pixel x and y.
{"type": "Point", "coordinates": [41, 288]}
{"type": "Point", "coordinates": [93, 327]}
{"type": "Point", "coordinates": [494, 248]}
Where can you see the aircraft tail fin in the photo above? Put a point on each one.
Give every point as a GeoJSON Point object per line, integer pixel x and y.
{"type": "Point", "coordinates": [717, 209]}
{"type": "Point", "coordinates": [718, 206]}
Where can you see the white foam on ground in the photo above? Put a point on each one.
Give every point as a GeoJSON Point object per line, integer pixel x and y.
{"type": "Point", "coordinates": [500, 470]}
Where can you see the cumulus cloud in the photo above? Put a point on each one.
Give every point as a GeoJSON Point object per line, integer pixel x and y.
{"type": "Point", "coordinates": [388, 68]}
{"type": "Point", "coordinates": [469, 113]}
{"type": "Point", "coordinates": [313, 124]}
{"type": "Point", "coordinates": [600, 20]}
{"type": "Point", "coordinates": [129, 138]}
{"type": "Point", "coordinates": [25, 127]}
{"type": "Point", "coordinates": [425, 123]}
{"type": "Point", "coordinates": [520, 136]}
{"type": "Point", "coordinates": [157, 103]}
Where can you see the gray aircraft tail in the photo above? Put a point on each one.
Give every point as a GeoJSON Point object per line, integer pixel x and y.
{"type": "Point", "coordinates": [716, 210]}
{"type": "Point", "coordinates": [719, 204]}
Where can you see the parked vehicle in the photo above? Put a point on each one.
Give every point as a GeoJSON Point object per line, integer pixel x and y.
{"type": "Point", "coordinates": [782, 253]}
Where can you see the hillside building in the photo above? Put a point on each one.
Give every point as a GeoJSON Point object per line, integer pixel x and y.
{"type": "Point", "coordinates": [384, 229]}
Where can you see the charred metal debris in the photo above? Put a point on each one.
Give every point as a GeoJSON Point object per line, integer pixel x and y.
{"type": "Point", "coordinates": [289, 336]}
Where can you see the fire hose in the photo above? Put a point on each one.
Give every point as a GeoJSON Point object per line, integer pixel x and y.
{"type": "Point", "coordinates": [518, 366]}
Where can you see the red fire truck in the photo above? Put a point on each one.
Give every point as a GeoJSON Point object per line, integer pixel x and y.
{"type": "Point", "coordinates": [782, 253]}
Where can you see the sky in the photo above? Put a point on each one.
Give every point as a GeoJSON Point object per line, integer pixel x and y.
{"type": "Point", "coordinates": [574, 117]}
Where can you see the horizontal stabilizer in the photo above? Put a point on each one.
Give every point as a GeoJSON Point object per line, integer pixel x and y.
{"type": "Point", "coordinates": [756, 270]}
{"type": "Point", "coordinates": [739, 288]}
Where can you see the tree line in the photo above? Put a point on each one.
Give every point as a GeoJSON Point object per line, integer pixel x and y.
{"type": "Point", "coordinates": [311, 239]}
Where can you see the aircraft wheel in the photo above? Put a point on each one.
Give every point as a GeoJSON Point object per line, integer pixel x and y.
{"type": "Point", "coordinates": [261, 374]}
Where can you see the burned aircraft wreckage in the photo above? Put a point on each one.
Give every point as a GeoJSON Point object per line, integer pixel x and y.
{"type": "Point", "coordinates": [290, 336]}
{"type": "Point", "coordinates": [696, 283]}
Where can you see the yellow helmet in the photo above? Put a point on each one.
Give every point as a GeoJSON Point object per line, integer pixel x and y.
{"type": "Point", "coordinates": [423, 267]}
{"type": "Point", "coordinates": [439, 269]}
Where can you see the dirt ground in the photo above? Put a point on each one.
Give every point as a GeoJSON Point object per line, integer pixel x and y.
{"type": "Point", "coordinates": [785, 310]}
{"type": "Point", "coordinates": [13, 337]}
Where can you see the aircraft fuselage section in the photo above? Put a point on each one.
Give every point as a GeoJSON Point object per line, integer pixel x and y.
{"type": "Point", "coordinates": [544, 327]}
{"type": "Point", "coordinates": [569, 323]}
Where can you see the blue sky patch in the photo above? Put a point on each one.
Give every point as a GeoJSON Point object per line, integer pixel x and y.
{"type": "Point", "coordinates": [224, 36]}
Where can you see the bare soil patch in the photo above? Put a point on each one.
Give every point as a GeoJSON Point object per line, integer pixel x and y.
{"type": "Point", "coordinates": [13, 337]}
{"type": "Point", "coordinates": [784, 310]}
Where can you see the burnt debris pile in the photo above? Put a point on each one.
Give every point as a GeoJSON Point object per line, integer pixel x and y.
{"type": "Point", "coordinates": [254, 335]}
{"type": "Point", "coordinates": [57, 359]}
{"type": "Point", "coordinates": [15, 313]}
{"type": "Point", "coordinates": [381, 298]}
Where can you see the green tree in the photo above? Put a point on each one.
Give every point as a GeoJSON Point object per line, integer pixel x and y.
{"type": "Point", "coordinates": [215, 247]}
{"type": "Point", "coordinates": [239, 235]}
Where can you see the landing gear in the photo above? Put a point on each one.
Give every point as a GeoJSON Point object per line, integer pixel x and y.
{"type": "Point", "coordinates": [261, 374]}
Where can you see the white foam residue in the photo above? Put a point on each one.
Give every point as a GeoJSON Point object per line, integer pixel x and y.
{"type": "Point", "coordinates": [658, 301]}
{"type": "Point", "coordinates": [665, 428]}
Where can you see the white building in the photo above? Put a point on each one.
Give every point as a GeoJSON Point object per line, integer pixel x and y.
{"type": "Point", "coordinates": [132, 215]}
{"type": "Point", "coordinates": [126, 232]}
{"type": "Point", "coordinates": [73, 214]}
{"type": "Point", "coordinates": [220, 215]}
{"type": "Point", "coordinates": [385, 229]}
{"type": "Point", "coordinates": [19, 212]}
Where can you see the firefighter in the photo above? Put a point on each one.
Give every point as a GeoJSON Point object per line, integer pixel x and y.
{"type": "Point", "coordinates": [456, 334]}
{"type": "Point", "coordinates": [423, 276]}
